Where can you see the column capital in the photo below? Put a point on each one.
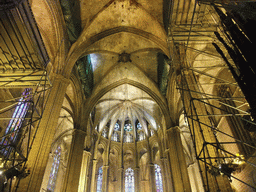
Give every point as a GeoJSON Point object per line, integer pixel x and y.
{"type": "Point", "coordinates": [185, 128]}
{"type": "Point", "coordinates": [95, 161]}
{"type": "Point", "coordinates": [105, 166]}
{"type": "Point", "coordinates": [173, 129]}
{"type": "Point", "coordinates": [87, 152]}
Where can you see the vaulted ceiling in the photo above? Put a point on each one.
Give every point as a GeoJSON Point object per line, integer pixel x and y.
{"type": "Point", "coordinates": [131, 46]}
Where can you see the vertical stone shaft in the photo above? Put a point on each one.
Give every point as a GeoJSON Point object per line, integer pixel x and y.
{"type": "Point", "coordinates": [177, 161]}
{"type": "Point", "coordinates": [164, 175]}
{"type": "Point", "coordinates": [120, 174]}
{"type": "Point", "coordinates": [93, 175]}
{"type": "Point", "coordinates": [137, 179]}
{"type": "Point", "coordinates": [84, 172]}
{"type": "Point", "coordinates": [105, 178]}
{"type": "Point", "coordinates": [71, 181]}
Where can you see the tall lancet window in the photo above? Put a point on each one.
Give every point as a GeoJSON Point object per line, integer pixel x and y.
{"type": "Point", "coordinates": [99, 179]}
{"type": "Point", "coordinates": [54, 170]}
{"type": "Point", "coordinates": [158, 177]}
{"type": "Point", "coordinates": [129, 180]}
{"type": "Point", "coordinates": [13, 129]}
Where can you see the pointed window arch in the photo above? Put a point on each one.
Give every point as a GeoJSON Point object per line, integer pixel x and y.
{"type": "Point", "coordinates": [128, 125]}
{"type": "Point", "coordinates": [117, 126]}
{"type": "Point", "coordinates": [129, 180]}
{"type": "Point", "coordinates": [54, 170]}
{"type": "Point", "coordinates": [139, 126]}
{"type": "Point", "coordinates": [12, 131]}
{"type": "Point", "coordinates": [99, 179]}
{"type": "Point", "coordinates": [158, 178]}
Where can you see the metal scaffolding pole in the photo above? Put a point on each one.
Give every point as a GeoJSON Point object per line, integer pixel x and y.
{"type": "Point", "coordinates": [201, 107]}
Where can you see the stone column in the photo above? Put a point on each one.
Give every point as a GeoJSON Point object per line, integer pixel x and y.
{"type": "Point", "coordinates": [93, 176]}
{"type": "Point", "coordinates": [40, 150]}
{"type": "Point", "coordinates": [72, 176]}
{"type": "Point", "coordinates": [105, 178]}
{"type": "Point", "coordinates": [120, 179]}
{"type": "Point", "coordinates": [152, 177]}
{"type": "Point", "coordinates": [137, 179]}
{"type": "Point", "coordinates": [177, 161]}
{"type": "Point", "coordinates": [84, 172]}
{"type": "Point", "coordinates": [167, 173]}
{"type": "Point", "coordinates": [164, 176]}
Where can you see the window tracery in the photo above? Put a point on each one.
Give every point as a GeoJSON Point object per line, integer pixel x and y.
{"type": "Point", "coordinates": [16, 121]}
{"type": "Point", "coordinates": [117, 127]}
{"type": "Point", "coordinates": [54, 170]}
{"type": "Point", "coordinates": [128, 127]}
{"type": "Point", "coordinates": [129, 180]}
{"type": "Point", "coordinates": [139, 126]}
{"type": "Point", "coordinates": [99, 179]}
{"type": "Point", "coordinates": [158, 178]}
{"type": "Point", "coordinates": [128, 138]}
{"type": "Point", "coordinates": [115, 137]}
{"type": "Point", "coordinates": [105, 133]}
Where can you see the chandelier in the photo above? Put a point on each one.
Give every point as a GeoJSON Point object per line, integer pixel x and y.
{"type": "Point", "coordinates": [228, 166]}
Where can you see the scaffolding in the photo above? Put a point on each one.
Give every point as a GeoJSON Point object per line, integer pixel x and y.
{"type": "Point", "coordinates": [23, 62]}
{"type": "Point", "coordinates": [210, 102]}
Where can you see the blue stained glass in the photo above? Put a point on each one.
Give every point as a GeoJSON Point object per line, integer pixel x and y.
{"type": "Point", "coordinates": [128, 127]}
{"type": "Point", "coordinates": [117, 127]}
{"type": "Point", "coordinates": [12, 130]}
{"type": "Point", "coordinates": [139, 126]}
{"type": "Point", "coordinates": [129, 180]}
{"type": "Point", "coordinates": [158, 177]}
{"type": "Point", "coordinates": [99, 180]}
{"type": "Point", "coordinates": [54, 170]}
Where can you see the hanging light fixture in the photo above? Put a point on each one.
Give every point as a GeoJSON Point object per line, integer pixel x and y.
{"type": "Point", "coordinates": [228, 166]}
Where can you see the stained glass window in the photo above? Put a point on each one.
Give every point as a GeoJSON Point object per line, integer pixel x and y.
{"type": "Point", "coordinates": [129, 180]}
{"type": "Point", "coordinates": [128, 138]}
{"type": "Point", "coordinates": [128, 126]}
{"type": "Point", "coordinates": [15, 123]}
{"type": "Point", "coordinates": [141, 136]}
{"type": "Point", "coordinates": [99, 179]}
{"type": "Point", "coordinates": [54, 170]}
{"type": "Point", "coordinates": [105, 133]}
{"type": "Point", "coordinates": [115, 137]}
{"type": "Point", "coordinates": [158, 177]}
{"type": "Point", "coordinates": [117, 127]}
{"type": "Point", "coordinates": [139, 126]}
